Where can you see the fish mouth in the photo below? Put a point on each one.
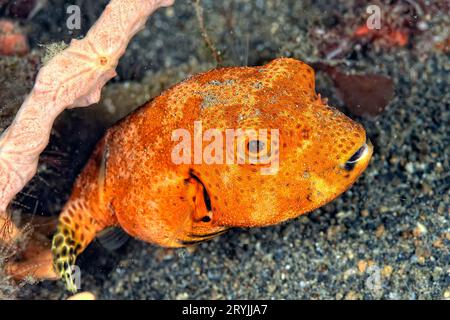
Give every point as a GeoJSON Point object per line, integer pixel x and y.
{"type": "Point", "coordinates": [199, 238]}
{"type": "Point", "coordinates": [209, 235]}
{"type": "Point", "coordinates": [362, 155]}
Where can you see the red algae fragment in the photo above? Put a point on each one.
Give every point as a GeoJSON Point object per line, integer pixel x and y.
{"type": "Point", "coordinates": [364, 95]}
{"type": "Point", "coordinates": [391, 37]}
{"type": "Point", "coordinates": [12, 41]}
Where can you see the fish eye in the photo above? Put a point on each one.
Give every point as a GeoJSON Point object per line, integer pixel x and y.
{"type": "Point", "coordinates": [254, 149]}
{"type": "Point", "coordinates": [255, 146]}
{"type": "Point", "coordinates": [361, 152]}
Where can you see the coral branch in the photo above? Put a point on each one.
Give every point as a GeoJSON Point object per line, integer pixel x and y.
{"type": "Point", "coordinates": [73, 78]}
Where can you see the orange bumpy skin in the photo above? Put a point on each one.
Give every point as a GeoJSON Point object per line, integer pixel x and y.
{"type": "Point", "coordinates": [132, 182]}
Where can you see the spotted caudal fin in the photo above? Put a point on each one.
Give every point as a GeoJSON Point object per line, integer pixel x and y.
{"type": "Point", "coordinates": [76, 229]}
{"type": "Point", "coordinates": [85, 214]}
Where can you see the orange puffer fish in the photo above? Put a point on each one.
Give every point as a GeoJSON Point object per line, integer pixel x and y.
{"type": "Point", "coordinates": [144, 177]}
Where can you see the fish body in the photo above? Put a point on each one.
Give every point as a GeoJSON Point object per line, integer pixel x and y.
{"type": "Point", "coordinates": [169, 175]}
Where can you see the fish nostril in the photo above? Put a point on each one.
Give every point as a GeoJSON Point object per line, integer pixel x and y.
{"type": "Point", "coordinates": [358, 154]}
{"type": "Point", "coordinates": [350, 164]}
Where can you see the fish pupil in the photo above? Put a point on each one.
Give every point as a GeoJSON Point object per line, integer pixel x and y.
{"type": "Point", "coordinates": [255, 146]}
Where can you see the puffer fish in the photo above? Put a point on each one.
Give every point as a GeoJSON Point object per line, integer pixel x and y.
{"type": "Point", "coordinates": [141, 178]}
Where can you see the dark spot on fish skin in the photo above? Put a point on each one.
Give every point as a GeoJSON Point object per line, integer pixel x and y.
{"type": "Point", "coordinates": [206, 219]}
{"type": "Point", "coordinates": [58, 241]}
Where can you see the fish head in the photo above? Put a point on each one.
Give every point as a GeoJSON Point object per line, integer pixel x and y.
{"type": "Point", "coordinates": [285, 152]}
